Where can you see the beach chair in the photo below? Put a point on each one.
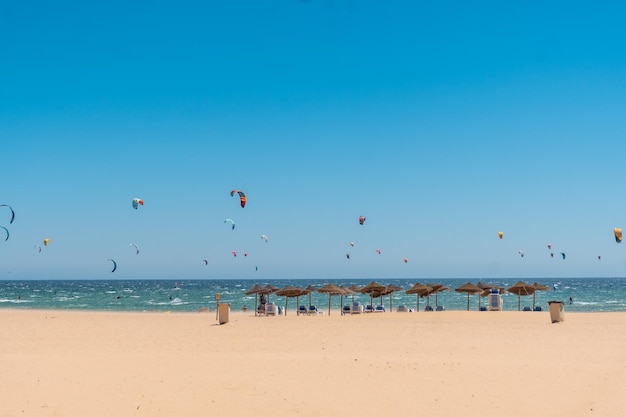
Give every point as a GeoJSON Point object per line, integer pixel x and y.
{"type": "Point", "coordinates": [369, 309]}
{"type": "Point", "coordinates": [402, 309]}
{"type": "Point", "coordinates": [526, 308]}
{"type": "Point", "coordinates": [270, 309]}
{"type": "Point", "coordinates": [356, 308]}
{"type": "Point", "coordinates": [303, 311]}
{"type": "Point", "coordinates": [441, 308]}
{"type": "Point", "coordinates": [538, 308]}
{"type": "Point", "coordinates": [380, 309]}
{"type": "Point", "coordinates": [428, 308]}
{"type": "Point", "coordinates": [345, 310]}
{"type": "Point", "coordinates": [313, 310]}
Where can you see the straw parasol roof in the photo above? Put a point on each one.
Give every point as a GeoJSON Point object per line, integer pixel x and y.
{"type": "Point", "coordinates": [521, 288]}
{"type": "Point", "coordinates": [391, 288]}
{"type": "Point", "coordinates": [436, 289]}
{"type": "Point", "coordinates": [469, 288]}
{"type": "Point", "coordinates": [308, 290]}
{"type": "Point", "coordinates": [331, 289]}
{"type": "Point", "coordinates": [255, 289]}
{"type": "Point", "coordinates": [374, 289]}
{"type": "Point", "coordinates": [421, 291]}
{"type": "Point", "coordinates": [289, 291]}
{"type": "Point", "coordinates": [539, 287]}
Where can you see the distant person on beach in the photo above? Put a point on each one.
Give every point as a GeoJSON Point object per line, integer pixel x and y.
{"type": "Point", "coordinates": [244, 309]}
{"type": "Point", "coordinates": [263, 300]}
{"type": "Point", "coordinates": [571, 300]}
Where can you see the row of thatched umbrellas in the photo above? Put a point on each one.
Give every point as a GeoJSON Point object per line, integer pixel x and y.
{"type": "Point", "coordinates": [376, 290]}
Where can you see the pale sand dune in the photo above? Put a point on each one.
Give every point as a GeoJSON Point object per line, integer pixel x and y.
{"type": "Point", "coordinates": [453, 363]}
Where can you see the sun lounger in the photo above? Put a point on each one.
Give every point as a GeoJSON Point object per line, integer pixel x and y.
{"type": "Point", "coordinates": [271, 309]}
{"type": "Point", "coordinates": [369, 309]}
{"type": "Point", "coordinates": [345, 309]}
{"type": "Point", "coordinates": [526, 308]}
{"type": "Point", "coordinates": [441, 308]}
{"type": "Point", "coordinates": [313, 310]}
{"type": "Point", "coordinates": [538, 308]}
{"type": "Point", "coordinates": [428, 308]}
{"type": "Point", "coordinates": [380, 309]}
{"type": "Point", "coordinates": [402, 309]}
{"type": "Point", "coordinates": [303, 311]}
{"type": "Point", "coordinates": [356, 308]}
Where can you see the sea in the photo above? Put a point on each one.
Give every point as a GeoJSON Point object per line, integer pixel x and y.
{"type": "Point", "coordinates": [577, 294]}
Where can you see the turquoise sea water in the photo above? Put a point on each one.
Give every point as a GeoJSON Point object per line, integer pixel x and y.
{"type": "Point", "coordinates": [588, 294]}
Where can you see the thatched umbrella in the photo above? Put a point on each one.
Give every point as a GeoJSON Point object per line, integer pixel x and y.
{"type": "Point", "coordinates": [255, 289]}
{"type": "Point", "coordinates": [521, 288]}
{"type": "Point", "coordinates": [373, 288]}
{"type": "Point", "coordinates": [289, 291]}
{"type": "Point", "coordinates": [391, 288]}
{"type": "Point", "coordinates": [469, 288]}
{"type": "Point", "coordinates": [436, 289]}
{"type": "Point", "coordinates": [308, 290]}
{"type": "Point", "coordinates": [355, 289]}
{"type": "Point", "coordinates": [539, 287]}
{"type": "Point", "coordinates": [331, 289]}
{"type": "Point", "coordinates": [420, 290]}
{"type": "Point", "coordinates": [345, 291]}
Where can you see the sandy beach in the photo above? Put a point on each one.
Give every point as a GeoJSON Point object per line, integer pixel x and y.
{"type": "Point", "coordinates": [452, 363]}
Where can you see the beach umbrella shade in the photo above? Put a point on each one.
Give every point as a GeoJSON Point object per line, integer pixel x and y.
{"type": "Point", "coordinates": [538, 287]}
{"type": "Point", "coordinates": [287, 292]}
{"type": "Point", "coordinates": [521, 288]}
{"type": "Point", "coordinates": [255, 289]}
{"type": "Point", "coordinates": [469, 289]}
{"type": "Point", "coordinates": [373, 288]}
{"type": "Point", "coordinates": [268, 289]}
{"type": "Point", "coordinates": [436, 289]}
{"type": "Point", "coordinates": [308, 290]}
{"type": "Point", "coordinates": [391, 288]}
{"type": "Point", "coordinates": [421, 291]}
{"type": "Point", "coordinates": [345, 291]}
{"type": "Point", "coordinates": [355, 289]}
{"type": "Point", "coordinates": [331, 289]}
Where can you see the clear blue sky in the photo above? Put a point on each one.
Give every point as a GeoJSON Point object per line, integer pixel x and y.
{"type": "Point", "coordinates": [441, 123]}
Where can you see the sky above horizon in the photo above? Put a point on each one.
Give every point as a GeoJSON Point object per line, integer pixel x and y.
{"type": "Point", "coordinates": [441, 123]}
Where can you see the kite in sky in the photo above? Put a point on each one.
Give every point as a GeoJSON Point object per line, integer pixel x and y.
{"type": "Point", "coordinates": [242, 197]}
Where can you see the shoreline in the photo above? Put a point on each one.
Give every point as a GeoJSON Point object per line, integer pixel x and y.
{"type": "Point", "coordinates": [451, 363]}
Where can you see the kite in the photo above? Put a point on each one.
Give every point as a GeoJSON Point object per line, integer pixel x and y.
{"type": "Point", "coordinates": [618, 234]}
{"type": "Point", "coordinates": [6, 230]}
{"type": "Point", "coordinates": [361, 219]}
{"type": "Point", "coordinates": [351, 243]}
{"type": "Point", "coordinates": [114, 265]}
{"type": "Point", "coordinates": [549, 245]}
{"type": "Point", "coordinates": [137, 202]}
{"type": "Point", "coordinates": [136, 248]}
{"type": "Point", "coordinates": [521, 253]}
{"type": "Point", "coordinates": [265, 238]}
{"type": "Point", "coordinates": [348, 255]}
{"type": "Point", "coordinates": [234, 253]}
{"type": "Point", "coordinates": [12, 212]}
{"type": "Point", "coordinates": [406, 260]}
{"type": "Point", "coordinates": [231, 221]}
{"type": "Point", "coordinates": [206, 262]}
{"type": "Point", "coordinates": [500, 235]}
{"type": "Point", "coordinates": [563, 255]}
{"type": "Point", "coordinates": [38, 247]}
{"type": "Point", "coordinates": [46, 241]}
{"type": "Point", "coordinates": [242, 197]}
{"type": "Point", "coordinates": [378, 251]}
